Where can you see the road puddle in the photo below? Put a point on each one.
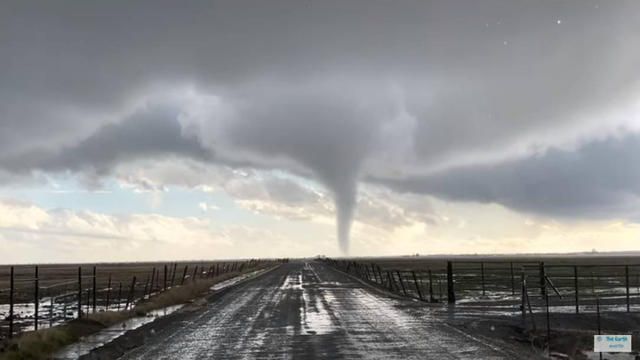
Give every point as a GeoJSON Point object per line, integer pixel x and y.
{"type": "Point", "coordinates": [104, 336]}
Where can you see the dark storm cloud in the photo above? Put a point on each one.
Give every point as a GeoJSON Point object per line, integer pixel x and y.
{"type": "Point", "coordinates": [152, 133]}
{"type": "Point", "coordinates": [340, 89]}
{"type": "Point", "coordinates": [598, 180]}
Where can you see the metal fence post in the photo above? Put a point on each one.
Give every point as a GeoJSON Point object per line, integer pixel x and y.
{"type": "Point", "coordinates": [451, 294]}
{"type": "Point", "coordinates": [36, 303]}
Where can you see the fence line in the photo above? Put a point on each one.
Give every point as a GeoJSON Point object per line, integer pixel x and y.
{"type": "Point", "coordinates": [544, 288]}
{"type": "Point", "coordinates": [494, 284]}
{"type": "Point", "coordinates": [43, 295]}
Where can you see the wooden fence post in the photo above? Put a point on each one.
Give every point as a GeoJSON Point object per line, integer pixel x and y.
{"type": "Point", "coordinates": [106, 307]}
{"type": "Point", "coordinates": [431, 298]}
{"type": "Point", "coordinates": [524, 294]}
{"type": "Point", "coordinates": [157, 284]}
{"type": "Point", "coordinates": [598, 314]}
{"type": "Point", "coordinates": [513, 282]}
{"type": "Point", "coordinates": [482, 277]}
{"type": "Point", "coordinates": [373, 270]}
{"type": "Point", "coordinates": [51, 310]}
{"type": "Point", "coordinates": [146, 286]}
{"type": "Point", "coordinates": [195, 271]}
{"type": "Point", "coordinates": [451, 294]}
{"type": "Point", "coordinates": [94, 289]}
{"type": "Point", "coordinates": [131, 292]}
{"type": "Point", "coordinates": [173, 274]}
{"type": "Point", "coordinates": [546, 304]}
{"type": "Point", "coordinates": [164, 278]}
{"type": "Point", "coordinates": [404, 291]}
{"type": "Point", "coordinates": [153, 278]}
{"type": "Point", "coordinates": [626, 283]}
{"type": "Point", "coordinates": [415, 281]}
{"type": "Point", "coordinates": [88, 302]}
{"type": "Point", "coordinates": [543, 285]}
{"type": "Point", "coordinates": [11, 290]}
{"type": "Point", "coordinates": [79, 292]}
{"type": "Point", "coordinates": [36, 299]}
{"type": "Point", "coordinates": [576, 288]}
{"type": "Point", "coordinates": [391, 282]}
{"type": "Point", "coordinates": [184, 274]}
{"type": "Point", "coordinates": [119, 295]}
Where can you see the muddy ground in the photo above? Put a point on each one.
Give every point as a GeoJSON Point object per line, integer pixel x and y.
{"type": "Point", "coordinates": [308, 310]}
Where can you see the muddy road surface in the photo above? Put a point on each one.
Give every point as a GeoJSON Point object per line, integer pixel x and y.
{"type": "Point", "coordinates": [307, 310]}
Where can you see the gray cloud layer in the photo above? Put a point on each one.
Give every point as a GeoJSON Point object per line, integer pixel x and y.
{"type": "Point", "coordinates": [339, 90]}
{"type": "Point", "coordinates": [149, 134]}
{"type": "Point", "coordinates": [599, 179]}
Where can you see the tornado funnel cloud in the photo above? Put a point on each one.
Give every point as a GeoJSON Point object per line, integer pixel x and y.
{"type": "Point", "coordinates": [345, 201]}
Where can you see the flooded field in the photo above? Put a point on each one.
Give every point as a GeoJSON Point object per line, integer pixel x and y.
{"type": "Point", "coordinates": [42, 296]}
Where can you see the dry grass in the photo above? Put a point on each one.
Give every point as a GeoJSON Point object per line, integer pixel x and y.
{"type": "Point", "coordinates": [39, 345]}
{"type": "Point", "coordinates": [183, 294]}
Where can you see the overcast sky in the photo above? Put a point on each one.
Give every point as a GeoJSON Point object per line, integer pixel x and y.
{"type": "Point", "coordinates": [132, 130]}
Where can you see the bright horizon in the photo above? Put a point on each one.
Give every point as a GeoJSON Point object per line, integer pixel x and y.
{"type": "Point", "coordinates": [226, 130]}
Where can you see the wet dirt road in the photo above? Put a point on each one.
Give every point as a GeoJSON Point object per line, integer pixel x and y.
{"type": "Point", "coordinates": [311, 311]}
